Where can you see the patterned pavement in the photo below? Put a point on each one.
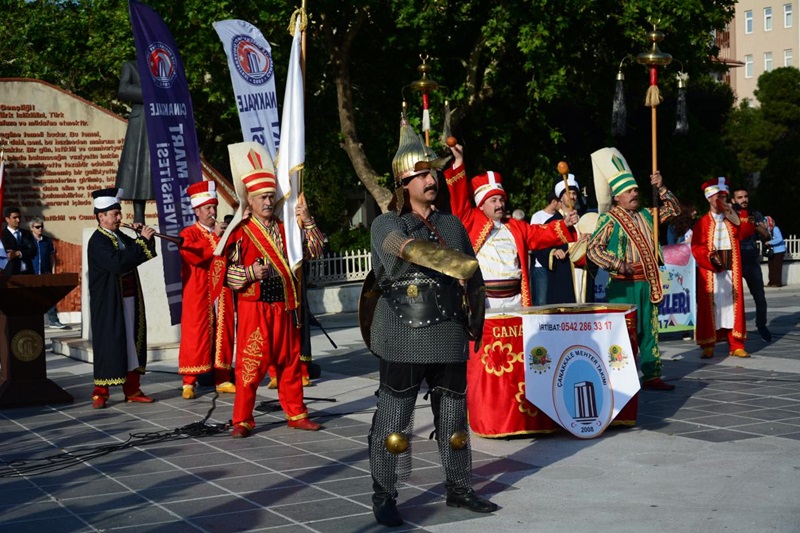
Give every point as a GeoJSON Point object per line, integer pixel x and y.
{"type": "Point", "coordinates": [125, 468]}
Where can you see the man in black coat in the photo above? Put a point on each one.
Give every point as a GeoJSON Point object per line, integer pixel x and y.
{"type": "Point", "coordinates": [119, 327]}
{"type": "Point", "coordinates": [19, 244]}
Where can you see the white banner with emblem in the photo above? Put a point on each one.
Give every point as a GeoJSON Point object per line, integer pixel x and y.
{"type": "Point", "coordinates": [579, 368]}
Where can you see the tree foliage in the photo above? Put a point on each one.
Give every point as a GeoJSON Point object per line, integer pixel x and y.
{"type": "Point", "coordinates": [765, 140]}
{"type": "Point", "coordinates": [530, 81]}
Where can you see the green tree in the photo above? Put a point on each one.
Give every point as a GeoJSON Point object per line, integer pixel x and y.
{"type": "Point", "coordinates": [779, 94]}
{"type": "Point", "coordinates": [530, 81]}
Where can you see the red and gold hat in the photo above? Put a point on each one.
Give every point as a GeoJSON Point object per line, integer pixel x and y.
{"type": "Point", "coordinates": [486, 185]}
{"type": "Point", "coordinates": [715, 186]}
{"type": "Point", "coordinates": [203, 193]}
{"type": "Point", "coordinates": [259, 181]}
{"type": "Point", "coordinates": [253, 173]}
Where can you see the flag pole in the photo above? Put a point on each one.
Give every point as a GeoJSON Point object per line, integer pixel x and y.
{"type": "Point", "coordinates": [654, 58]}
{"type": "Point", "coordinates": [303, 23]}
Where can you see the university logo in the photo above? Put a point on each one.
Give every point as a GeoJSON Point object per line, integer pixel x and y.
{"type": "Point", "coordinates": [582, 393]}
{"type": "Point", "coordinates": [162, 64]}
{"type": "Point", "coordinates": [252, 62]}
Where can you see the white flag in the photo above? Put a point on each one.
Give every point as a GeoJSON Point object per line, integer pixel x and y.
{"type": "Point", "coordinates": [252, 74]}
{"type": "Point", "coordinates": [292, 153]}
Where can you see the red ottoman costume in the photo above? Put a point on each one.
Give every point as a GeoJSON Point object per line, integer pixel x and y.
{"type": "Point", "coordinates": [479, 226]}
{"type": "Point", "coordinates": [207, 323]}
{"type": "Point", "coordinates": [723, 276]}
{"type": "Point", "coordinates": [267, 331]}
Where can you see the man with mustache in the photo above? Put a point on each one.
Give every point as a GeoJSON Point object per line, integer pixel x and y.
{"type": "Point", "coordinates": [751, 263]}
{"type": "Point", "coordinates": [720, 302]}
{"type": "Point", "coordinates": [207, 320]}
{"type": "Point", "coordinates": [424, 267]}
{"type": "Point", "coordinates": [119, 326]}
{"type": "Point", "coordinates": [623, 245]}
{"type": "Point", "coordinates": [267, 296]}
{"type": "Point", "coordinates": [501, 244]}
{"type": "Point", "coordinates": [565, 274]}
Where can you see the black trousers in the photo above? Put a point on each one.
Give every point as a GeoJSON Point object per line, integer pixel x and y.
{"type": "Point", "coordinates": [751, 272]}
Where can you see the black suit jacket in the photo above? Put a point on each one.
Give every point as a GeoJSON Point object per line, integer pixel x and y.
{"type": "Point", "coordinates": [28, 248]}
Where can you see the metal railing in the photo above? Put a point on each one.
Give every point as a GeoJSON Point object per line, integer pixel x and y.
{"type": "Point", "coordinates": [354, 265]}
{"type": "Point", "coordinates": [792, 248]}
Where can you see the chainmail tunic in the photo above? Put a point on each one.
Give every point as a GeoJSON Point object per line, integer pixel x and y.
{"type": "Point", "coordinates": [391, 339]}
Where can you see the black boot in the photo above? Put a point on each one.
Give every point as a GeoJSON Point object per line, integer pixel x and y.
{"type": "Point", "coordinates": [384, 507]}
{"type": "Point", "coordinates": [458, 497]}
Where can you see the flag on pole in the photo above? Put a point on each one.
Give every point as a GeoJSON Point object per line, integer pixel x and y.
{"type": "Point", "coordinates": [292, 152]}
{"type": "Point", "coordinates": [172, 138]}
{"type": "Point", "coordinates": [253, 77]}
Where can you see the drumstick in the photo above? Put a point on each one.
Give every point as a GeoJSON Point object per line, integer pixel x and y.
{"type": "Point", "coordinates": [563, 169]}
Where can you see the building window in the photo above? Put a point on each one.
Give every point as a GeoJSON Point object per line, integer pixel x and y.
{"type": "Point", "coordinates": [748, 22]}
{"type": "Point", "coordinates": [787, 15]}
{"type": "Point", "coordinates": [767, 19]}
{"type": "Point", "coordinates": [748, 66]}
{"type": "Point", "coordinates": [767, 61]}
{"type": "Point", "coordinates": [788, 60]}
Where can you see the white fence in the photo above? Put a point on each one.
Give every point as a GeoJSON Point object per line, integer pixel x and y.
{"type": "Point", "coordinates": [792, 248]}
{"type": "Point", "coordinates": [355, 265]}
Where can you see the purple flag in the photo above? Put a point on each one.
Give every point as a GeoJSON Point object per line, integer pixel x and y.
{"type": "Point", "coordinates": [174, 154]}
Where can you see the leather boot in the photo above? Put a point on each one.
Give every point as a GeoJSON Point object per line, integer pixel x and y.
{"type": "Point", "coordinates": [384, 507]}
{"type": "Point", "coordinates": [460, 497]}
{"type": "Point", "coordinates": [384, 503]}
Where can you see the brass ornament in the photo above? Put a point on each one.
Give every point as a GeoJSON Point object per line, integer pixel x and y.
{"type": "Point", "coordinates": [412, 291]}
{"type": "Point", "coordinates": [27, 345]}
{"type": "Point", "coordinates": [440, 258]}
{"type": "Point", "coordinates": [458, 440]}
{"type": "Point", "coordinates": [396, 443]}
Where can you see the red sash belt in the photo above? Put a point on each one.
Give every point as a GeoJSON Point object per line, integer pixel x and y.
{"type": "Point", "coordinates": [503, 288]}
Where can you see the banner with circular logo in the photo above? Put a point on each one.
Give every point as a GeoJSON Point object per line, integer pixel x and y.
{"type": "Point", "coordinates": [579, 368]}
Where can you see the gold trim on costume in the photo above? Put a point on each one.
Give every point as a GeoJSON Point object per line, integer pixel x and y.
{"type": "Point", "coordinates": [194, 369]}
{"type": "Point", "coordinates": [462, 174]}
{"type": "Point", "coordinates": [483, 235]}
{"type": "Point", "coordinates": [253, 345]}
{"type": "Point", "coordinates": [107, 382]}
{"type": "Point", "coordinates": [649, 255]}
{"type": "Point", "coordinates": [249, 370]}
{"type": "Point", "coordinates": [279, 252]}
{"type": "Point", "coordinates": [560, 233]}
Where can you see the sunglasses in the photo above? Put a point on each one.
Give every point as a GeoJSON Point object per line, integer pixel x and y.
{"type": "Point", "coordinates": [38, 227]}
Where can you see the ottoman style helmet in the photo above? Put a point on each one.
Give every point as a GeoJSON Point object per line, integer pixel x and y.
{"type": "Point", "coordinates": [412, 159]}
{"type": "Point", "coordinates": [612, 176]}
{"type": "Point", "coordinates": [253, 173]}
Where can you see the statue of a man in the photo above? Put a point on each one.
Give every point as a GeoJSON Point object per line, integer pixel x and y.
{"type": "Point", "coordinates": [133, 174]}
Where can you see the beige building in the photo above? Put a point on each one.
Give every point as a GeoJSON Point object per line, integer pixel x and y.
{"type": "Point", "coordinates": [764, 35]}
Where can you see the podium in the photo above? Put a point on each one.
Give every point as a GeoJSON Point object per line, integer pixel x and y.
{"type": "Point", "coordinates": [24, 300]}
